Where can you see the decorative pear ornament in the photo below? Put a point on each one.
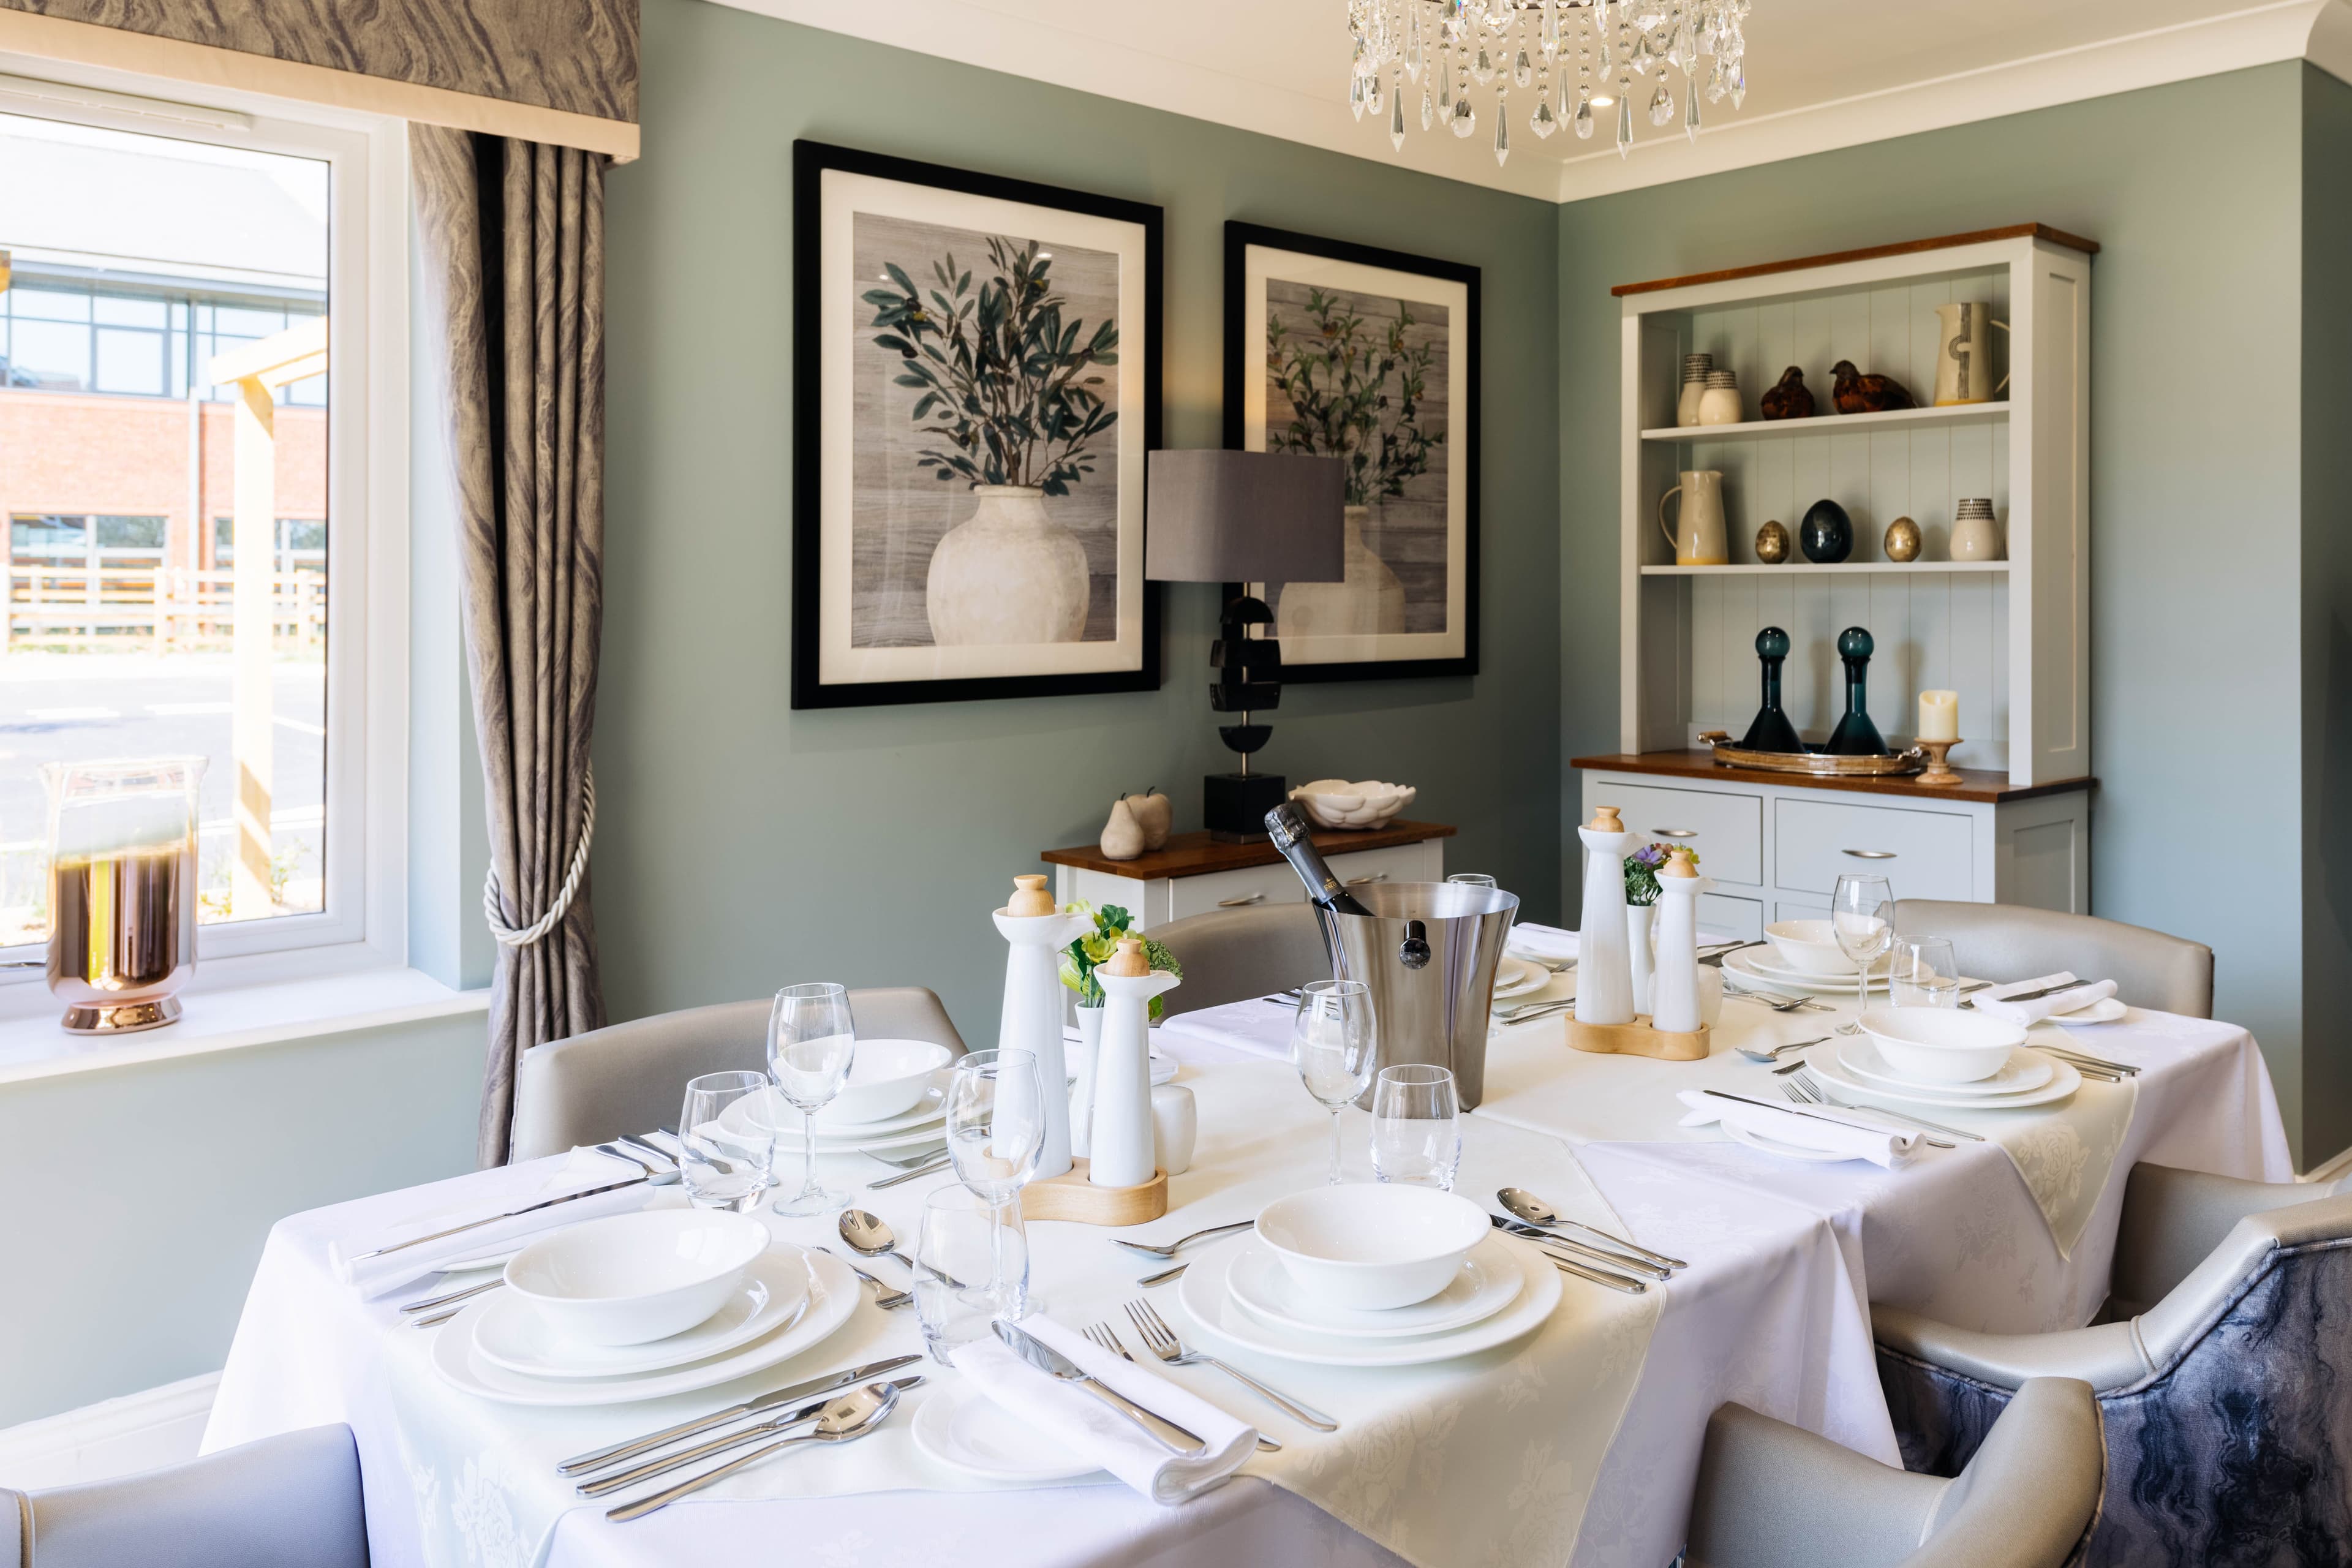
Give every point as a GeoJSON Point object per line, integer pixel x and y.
{"type": "Point", "coordinates": [1123, 836]}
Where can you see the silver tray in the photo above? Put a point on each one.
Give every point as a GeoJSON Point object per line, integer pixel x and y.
{"type": "Point", "coordinates": [1817, 765]}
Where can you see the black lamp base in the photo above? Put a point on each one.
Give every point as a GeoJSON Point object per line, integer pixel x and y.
{"type": "Point", "coordinates": [1233, 805]}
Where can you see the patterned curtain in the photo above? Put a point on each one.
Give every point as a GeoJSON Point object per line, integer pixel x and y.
{"type": "Point", "coordinates": [513, 240]}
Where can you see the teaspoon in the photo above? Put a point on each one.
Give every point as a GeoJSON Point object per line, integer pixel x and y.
{"type": "Point", "coordinates": [866, 1233]}
{"type": "Point", "coordinates": [846, 1420]}
{"type": "Point", "coordinates": [1534, 1211]}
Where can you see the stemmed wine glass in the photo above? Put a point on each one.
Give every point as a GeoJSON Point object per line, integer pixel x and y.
{"type": "Point", "coordinates": [1334, 1043]}
{"type": "Point", "coordinates": [996, 1129]}
{"type": "Point", "coordinates": [811, 1039]}
{"type": "Point", "coordinates": [1861, 913]}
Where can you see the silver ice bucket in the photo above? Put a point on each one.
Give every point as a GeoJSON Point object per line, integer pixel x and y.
{"type": "Point", "coordinates": [1428, 952]}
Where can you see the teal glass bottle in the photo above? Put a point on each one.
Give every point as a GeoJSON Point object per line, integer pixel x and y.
{"type": "Point", "coordinates": [1855, 735]}
{"type": "Point", "coordinates": [1771, 731]}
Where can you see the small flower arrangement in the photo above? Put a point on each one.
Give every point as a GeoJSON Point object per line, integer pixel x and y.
{"type": "Point", "coordinates": [1097, 946]}
{"type": "Point", "coordinates": [1641, 868]}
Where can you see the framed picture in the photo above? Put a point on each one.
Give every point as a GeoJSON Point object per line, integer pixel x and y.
{"type": "Point", "coordinates": [1371, 356]}
{"type": "Point", "coordinates": [976, 380]}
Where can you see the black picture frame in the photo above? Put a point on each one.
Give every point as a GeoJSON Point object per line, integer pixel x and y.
{"type": "Point", "coordinates": [811, 161]}
{"type": "Point", "coordinates": [1242, 358]}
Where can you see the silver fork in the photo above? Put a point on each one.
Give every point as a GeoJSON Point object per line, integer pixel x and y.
{"type": "Point", "coordinates": [1101, 1334]}
{"type": "Point", "coordinates": [1778, 1004]}
{"type": "Point", "coordinates": [1161, 1340]}
{"type": "Point", "coordinates": [1801, 1090]}
{"type": "Point", "coordinates": [886, 1296]}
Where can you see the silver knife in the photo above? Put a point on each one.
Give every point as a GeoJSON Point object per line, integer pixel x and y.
{"type": "Point", "coordinates": [1588, 1254]}
{"type": "Point", "coordinates": [1055, 1364]}
{"type": "Point", "coordinates": [510, 1214]}
{"type": "Point", "coordinates": [2034, 996]}
{"type": "Point", "coordinates": [1714, 960]}
{"type": "Point", "coordinates": [1813, 1115]}
{"type": "Point", "coordinates": [758, 1432]}
{"type": "Point", "coordinates": [815, 1385]}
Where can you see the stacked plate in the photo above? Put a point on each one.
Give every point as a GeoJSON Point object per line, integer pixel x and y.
{"type": "Point", "coordinates": [920, 1123]}
{"type": "Point", "coordinates": [1762, 966]}
{"type": "Point", "coordinates": [1854, 1066]}
{"type": "Point", "coordinates": [1519, 977]}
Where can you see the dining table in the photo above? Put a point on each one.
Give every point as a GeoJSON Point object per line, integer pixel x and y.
{"type": "Point", "coordinates": [1577, 1442]}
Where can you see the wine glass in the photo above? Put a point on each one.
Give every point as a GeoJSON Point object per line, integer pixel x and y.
{"type": "Point", "coordinates": [996, 1130]}
{"type": "Point", "coordinates": [1416, 1126]}
{"type": "Point", "coordinates": [722, 1165]}
{"type": "Point", "coordinates": [1922, 972]}
{"type": "Point", "coordinates": [1861, 913]}
{"type": "Point", "coordinates": [1471, 879]}
{"type": "Point", "coordinates": [811, 1039]}
{"type": "Point", "coordinates": [1334, 1045]}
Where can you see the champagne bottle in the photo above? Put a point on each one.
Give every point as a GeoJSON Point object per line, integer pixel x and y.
{"type": "Point", "coordinates": [1287, 827]}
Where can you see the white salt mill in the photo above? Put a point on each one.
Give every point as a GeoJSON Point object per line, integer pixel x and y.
{"type": "Point", "coordinates": [1604, 953]}
{"type": "Point", "coordinates": [1031, 1019]}
{"type": "Point", "coordinates": [1121, 1151]}
{"type": "Point", "coordinates": [1673, 993]}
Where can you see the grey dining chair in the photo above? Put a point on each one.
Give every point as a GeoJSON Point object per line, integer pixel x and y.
{"type": "Point", "coordinates": [2228, 1433]}
{"type": "Point", "coordinates": [289, 1501]}
{"type": "Point", "coordinates": [630, 1078]}
{"type": "Point", "coordinates": [1775, 1496]}
{"type": "Point", "coordinates": [1230, 954]}
{"type": "Point", "coordinates": [2012, 941]}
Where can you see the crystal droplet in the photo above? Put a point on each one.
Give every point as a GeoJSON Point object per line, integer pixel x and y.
{"type": "Point", "coordinates": [1446, 84]}
{"type": "Point", "coordinates": [1428, 110]}
{"type": "Point", "coordinates": [1662, 106]}
{"type": "Point", "coordinates": [1374, 100]}
{"type": "Point", "coordinates": [1523, 69]}
{"type": "Point", "coordinates": [1483, 67]}
{"type": "Point", "coordinates": [1690, 111]}
{"type": "Point", "coordinates": [1396, 115]}
{"type": "Point", "coordinates": [1412, 49]}
{"type": "Point", "coordinates": [1502, 128]}
{"type": "Point", "coordinates": [1356, 95]}
{"type": "Point", "coordinates": [1584, 116]}
{"type": "Point", "coordinates": [1543, 122]}
{"type": "Point", "coordinates": [1738, 83]}
{"type": "Point", "coordinates": [1624, 123]}
{"type": "Point", "coordinates": [1465, 119]}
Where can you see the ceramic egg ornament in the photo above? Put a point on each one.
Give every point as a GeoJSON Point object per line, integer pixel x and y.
{"type": "Point", "coordinates": [1827, 533]}
{"type": "Point", "coordinates": [1772, 544]}
{"type": "Point", "coordinates": [1903, 539]}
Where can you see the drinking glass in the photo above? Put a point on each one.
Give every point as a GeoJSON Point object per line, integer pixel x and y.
{"type": "Point", "coordinates": [1862, 912]}
{"type": "Point", "coordinates": [1922, 972]}
{"type": "Point", "coordinates": [1416, 1126]}
{"type": "Point", "coordinates": [1335, 1047]}
{"type": "Point", "coordinates": [959, 1240]}
{"type": "Point", "coordinates": [996, 1130]}
{"type": "Point", "coordinates": [1471, 879]}
{"type": "Point", "coordinates": [811, 1039]}
{"type": "Point", "coordinates": [722, 1165]}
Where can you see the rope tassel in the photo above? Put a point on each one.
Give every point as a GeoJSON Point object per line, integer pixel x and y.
{"type": "Point", "coordinates": [493, 909]}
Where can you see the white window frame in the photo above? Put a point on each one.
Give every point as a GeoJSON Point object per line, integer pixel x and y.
{"type": "Point", "coordinates": [364, 923]}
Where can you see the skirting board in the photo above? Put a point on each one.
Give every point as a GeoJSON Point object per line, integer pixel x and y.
{"type": "Point", "coordinates": [113, 1438]}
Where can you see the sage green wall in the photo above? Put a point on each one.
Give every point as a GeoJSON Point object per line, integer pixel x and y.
{"type": "Point", "coordinates": [740, 845]}
{"type": "Point", "coordinates": [2199, 519]}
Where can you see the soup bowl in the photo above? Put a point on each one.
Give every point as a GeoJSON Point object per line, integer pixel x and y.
{"type": "Point", "coordinates": [631, 1278]}
{"type": "Point", "coordinates": [1369, 1246]}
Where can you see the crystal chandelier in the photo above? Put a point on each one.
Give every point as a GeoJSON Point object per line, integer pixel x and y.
{"type": "Point", "coordinates": [1448, 50]}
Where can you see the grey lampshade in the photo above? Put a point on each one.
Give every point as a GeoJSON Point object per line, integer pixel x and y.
{"type": "Point", "coordinates": [1242, 517]}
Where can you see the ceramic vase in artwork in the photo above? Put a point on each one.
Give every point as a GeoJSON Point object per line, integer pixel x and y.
{"type": "Point", "coordinates": [1121, 1150]}
{"type": "Point", "coordinates": [1673, 993]}
{"type": "Point", "coordinates": [1009, 575]}
{"type": "Point", "coordinates": [1031, 1019]}
{"type": "Point", "coordinates": [1368, 600]}
{"type": "Point", "coordinates": [1604, 960]}
{"type": "Point", "coordinates": [1082, 1088]}
{"type": "Point", "coordinates": [1637, 948]}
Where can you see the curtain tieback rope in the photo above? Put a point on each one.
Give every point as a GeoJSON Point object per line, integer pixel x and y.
{"type": "Point", "coordinates": [491, 909]}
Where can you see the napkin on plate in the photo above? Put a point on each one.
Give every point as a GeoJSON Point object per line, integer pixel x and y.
{"type": "Point", "coordinates": [581, 1170]}
{"type": "Point", "coordinates": [1081, 1422]}
{"type": "Point", "coordinates": [1833, 1131]}
{"type": "Point", "coordinates": [1258, 1025]}
{"type": "Point", "coordinates": [2027, 1014]}
{"type": "Point", "coordinates": [1534, 941]}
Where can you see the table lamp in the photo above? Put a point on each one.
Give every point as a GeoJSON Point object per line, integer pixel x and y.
{"type": "Point", "coordinates": [1242, 517]}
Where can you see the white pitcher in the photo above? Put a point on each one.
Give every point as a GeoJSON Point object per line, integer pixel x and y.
{"type": "Point", "coordinates": [1964, 354]}
{"type": "Point", "coordinates": [1698, 538]}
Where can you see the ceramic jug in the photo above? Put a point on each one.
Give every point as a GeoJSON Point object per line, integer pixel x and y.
{"type": "Point", "coordinates": [1964, 354]}
{"type": "Point", "coordinates": [1697, 534]}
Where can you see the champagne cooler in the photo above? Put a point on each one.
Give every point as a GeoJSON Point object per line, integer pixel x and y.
{"type": "Point", "coordinates": [1428, 952]}
{"type": "Point", "coordinates": [122, 891]}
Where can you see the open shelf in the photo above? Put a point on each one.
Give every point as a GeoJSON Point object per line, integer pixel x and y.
{"type": "Point", "coordinates": [1838, 424]}
{"type": "Point", "coordinates": [1807, 568]}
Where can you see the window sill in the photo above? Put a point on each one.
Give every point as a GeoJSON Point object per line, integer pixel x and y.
{"type": "Point", "coordinates": [233, 1019]}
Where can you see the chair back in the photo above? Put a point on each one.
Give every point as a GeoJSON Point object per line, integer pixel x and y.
{"type": "Point", "coordinates": [631, 1078]}
{"type": "Point", "coordinates": [2032, 1492]}
{"type": "Point", "coordinates": [2012, 941]}
{"type": "Point", "coordinates": [1230, 954]}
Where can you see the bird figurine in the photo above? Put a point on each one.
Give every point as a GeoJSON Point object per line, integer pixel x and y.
{"type": "Point", "coordinates": [1790, 397]}
{"type": "Point", "coordinates": [1855, 392]}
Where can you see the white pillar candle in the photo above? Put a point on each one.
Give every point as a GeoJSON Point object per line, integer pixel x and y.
{"type": "Point", "coordinates": [1939, 715]}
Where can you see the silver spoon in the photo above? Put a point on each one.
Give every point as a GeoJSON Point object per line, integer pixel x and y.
{"type": "Point", "coordinates": [846, 1420]}
{"type": "Point", "coordinates": [1777, 1052]}
{"type": "Point", "coordinates": [1534, 1211]}
{"type": "Point", "coordinates": [867, 1233]}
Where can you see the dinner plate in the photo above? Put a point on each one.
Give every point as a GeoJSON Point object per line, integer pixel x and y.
{"type": "Point", "coordinates": [965, 1430]}
{"type": "Point", "coordinates": [1163, 1069]}
{"type": "Point", "coordinates": [1518, 977]}
{"type": "Point", "coordinates": [2063, 1081]}
{"type": "Point", "coordinates": [833, 1296]}
{"type": "Point", "coordinates": [1743, 963]}
{"type": "Point", "coordinates": [513, 1335]}
{"type": "Point", "coordinates": [1207, 1299]}
{"type": "Point", "coordinates": [1766, 1145]}
{"type": "Point", "coordinates": [736, 1121]}
{"type": "Point", "coordinates": [930, 1107]}
{"type": "Point", "coordinates": [1488, 1280]}
{"type": "Point", "coordinates": [2106, 1010]}
{"type": "Point", "coordinates": [2023, 1072]}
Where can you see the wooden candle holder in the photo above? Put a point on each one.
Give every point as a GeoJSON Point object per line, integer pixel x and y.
{"type": "Point", "coordinates": [1939, 772]}
{"type": "Point", "coordinates": [1638, 1039]}
{"type": "Point", "coordinates": [1071, 1196]}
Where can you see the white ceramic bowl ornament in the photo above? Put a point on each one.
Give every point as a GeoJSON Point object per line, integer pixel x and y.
{"type": "Point", "coordinates": [1369, 1247]}
{"type": "Point", "coordinates": [886, 1077]}
{"type": "Point", "coordinates": [1810, 947]}
{"type": "Point", "coordinates": [1939, 1045]}
{"type": "Point", "coordinates": [1335, 802]}
{"type": "Point", "coordinates": [631, 1278]}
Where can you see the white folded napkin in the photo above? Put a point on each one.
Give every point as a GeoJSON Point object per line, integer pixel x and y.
{"type": "Point", "coordinates": [2073, 999]}
{"type": "Point", "coordinates": [1533, 940]}
{"type": "Point", "coordinates": [1854, 1134]}
{"type": "Point", "coordinates": [1258, 1025]}
{"type": "Point", "coordinates": [581, 1171]}
{"type": "Point", "coordinates": [1080, 1421]}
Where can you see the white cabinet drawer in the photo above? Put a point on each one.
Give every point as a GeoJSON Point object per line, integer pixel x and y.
{"type": "Point", "coordinates": [1728, 830]}
{"type": "Point", "coordinates": [1278, 884]}
{"type": "Point", "coordinates": [1743, 918]}
{"type": "Point", "coordinates": [1923, 854]}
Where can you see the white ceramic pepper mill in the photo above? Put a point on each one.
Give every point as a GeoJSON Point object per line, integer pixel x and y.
{"type": "Point", "coordinates": [1604, 954]}
{"type": "Point", "coordinates": [1032, 1018]}
{"type": "Point", "coordinates": [1121, 1152]}
{"type": "Point", "coordinates": [1673, 993]}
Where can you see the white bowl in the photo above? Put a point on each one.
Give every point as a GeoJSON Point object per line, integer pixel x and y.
{"type": "Point", "coordinates": [1369, 1247]}
{"type": "Point", "coordinates": [1941, 1044]}
{"type": "Point", "coordinates": [885, 1079]}
{"type": "Point", "coordinates": [632, 1277]}
{"type": "Point", "coordinates": [1810, 946]}
{"type": "Point", "coordinates": [1335, 802]}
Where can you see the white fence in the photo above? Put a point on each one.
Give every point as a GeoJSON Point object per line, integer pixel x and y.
{"type": "Point", "coordinates": [166, 609]}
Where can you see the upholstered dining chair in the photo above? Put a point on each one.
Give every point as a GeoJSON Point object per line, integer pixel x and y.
{"type": "Point", "coordinates": [2012, 941]}
{"type": "Point", "coordinates": [630, 1078]}
{"type": "Point", "coordinates": [1229, 954]}
{"type": "Point", "coordinates": [289, 1502]}
{"type": "Point", "coordinates": [2224, 1404]}
{"type": "Point", "coordinates": [1775, 1496]}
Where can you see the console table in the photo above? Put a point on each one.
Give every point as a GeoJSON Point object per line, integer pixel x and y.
{"type": "Point", "coordinates": [1192, 874]}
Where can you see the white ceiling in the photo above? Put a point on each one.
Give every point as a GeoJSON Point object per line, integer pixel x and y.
{"type": "Point", "coordinates": [1821, 73]}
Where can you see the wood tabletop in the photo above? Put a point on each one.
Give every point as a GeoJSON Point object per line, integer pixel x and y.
{"type": "Point", "coordinates": [1987, 785]}
{"type": "Point", "coordinates": [1196, 854]}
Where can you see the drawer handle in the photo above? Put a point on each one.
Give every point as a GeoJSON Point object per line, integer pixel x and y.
{"type": "Point", "coordinates": [1872, 853]}
{"type": "Point", "coordinates": [1676, 832]}
{"type": "Point", "coordinates": [1360, 882]}
{"type": "Point", "coordinates": [1238, 903]}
